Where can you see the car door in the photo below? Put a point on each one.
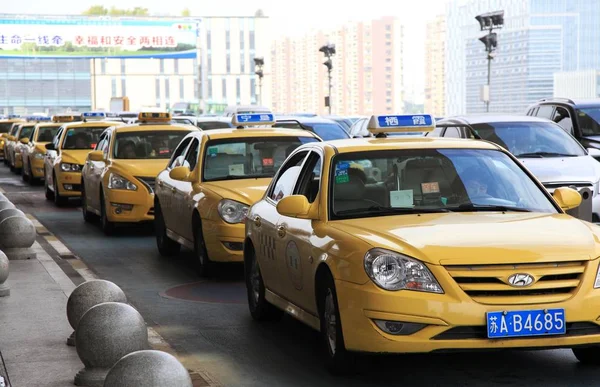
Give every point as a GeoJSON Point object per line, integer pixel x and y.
{"type": "Point", "coordinates": [96, 170]}
{"type": "Point", "coordinates": [165, 186]}
{"type": "Point", "coordinates": [269, 247]}
{"type": "Point", "coordinates": [51, 156]}
{"type": "Point", "coordinates": [183, 197]}
{"type": "Point", "coordinates": [296, 265]}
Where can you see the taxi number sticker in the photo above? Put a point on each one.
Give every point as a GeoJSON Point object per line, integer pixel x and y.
{"type": "Point", "coordinates": [341, 176]}
{"type": "Point", "coordinates": [213, 150]}
{"type": "Point", "coordinates": [93, 145]}
{"type": "Point", "coordinates": [267, 162]}
{"type": "Point", "coordinates": [163, 151]}
{"type": "Point", "coordinates": [402, 198]}
{"type": "Point", "coordinates": [236, 169]}
{"type": "Point", "coordinates": [429, 188]}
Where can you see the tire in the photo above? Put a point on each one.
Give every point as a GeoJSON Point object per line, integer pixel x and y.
{"type": "Point", "coordinates": [167, 247]}
{"type": "Point", "coordinates": [108, 227]}
{"type": "Point", "coordinates": [338, 361]}
{"type": "Point", "coordinates": [260, 308]}
{"type": "Point", "coordinates": [24, 174]}
{"type": "Point", "coordinates": [60, 201]}
{"type": "Point", "coordinates": [87, 215]}
{"type": "Point", "coordinates": [49, 194]}
{"type": "Point", "coordinates": [587, 355]}
{"type": "Point", "coordinates": [204, 266]}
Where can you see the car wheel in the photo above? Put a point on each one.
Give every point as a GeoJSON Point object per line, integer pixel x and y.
{"type": "Point", "coordinates": [588, 355]}
{"type": "Point", "coordinates": [87, 215]}
{"type": "Point", "coordinates": [203, 264]}
{"type": "Point", "coordinates": [260, 308]}
{"type": "Point", "coordinates": [107, 226]}
{"type": "Point", "coordinates": [167, 247]}
{"type": "Point", "coordinates": [49, 193]}
{"type": "Point", "coordinates": [339, 361]}
{"type": "Point", "coordinates": [58, 200]}
{"type": "Point", "coordinates": [25, 174]}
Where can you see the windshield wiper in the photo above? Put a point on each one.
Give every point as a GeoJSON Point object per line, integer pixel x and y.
{"type": "Point", "coordinates": [392, 210]}
{"type": "Point", "coordinates": [470, 207]}
{"type": "Point", "coordinates": [544, 154]}
{"type": "Point", "coordinates": [237, 177]}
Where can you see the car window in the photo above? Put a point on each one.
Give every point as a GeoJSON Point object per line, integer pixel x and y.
{"type": "Point", "coordinates": [151, 144]}
{"type": "Point", "coordinates": [326, 131]}
{"type": "Point", "coordinates": [563, 119]}
{"type": "Point", "coordinates": [83, 137]}
{"type": "Point", "coordinates": [310, 177]}
{"type": "Point", "coordinates": [192, 154]}
{"type": "Point", "coordinates": [56, 139]}
{"type": "Point", "coordinates": [47, 133]}
{"type": "Point", "coordinates": [178, 155]}
{"type": "Point", "coordinates": [435, 132]}
{"type": "Point", "coordinates": [382, 183]}
{"type": "Point", "coordinates": [208, 125]}
{"type": "Point", "coordinates": [452, 132]}
{"type": "Point", "coordinates": [26, 131]}
{"type": "Point", "coordinates": [286, 181]}
{"type": "Point", "coordinates": [589, 121]}
{"type": "Point", "coordinates": [101, 146]}
{"type": "Point", "coordinates": [5, 127]}
{"type": "Point", "coordinates": [545, 111]}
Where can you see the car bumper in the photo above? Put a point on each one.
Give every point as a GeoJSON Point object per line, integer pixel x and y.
{"type": "Point", "coordinates": [224, 242]}
{"type": "Point", "coordinates": [451, 323]}
{"type": "Point", "coordinates": [129, 206]}
{"type": "Point", "coordinates": [37, 168]}
{"type": "Point", "coordinates": [69, 184]}
{"type": "Point", "coordinates": [18, 160]}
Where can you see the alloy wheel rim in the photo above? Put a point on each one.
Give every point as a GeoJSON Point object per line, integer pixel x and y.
{"type": "Point", "coordinates": [330, 321]}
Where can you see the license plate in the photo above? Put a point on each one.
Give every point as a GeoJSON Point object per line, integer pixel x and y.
{"type": "Point", "coordinates": [520, 323]}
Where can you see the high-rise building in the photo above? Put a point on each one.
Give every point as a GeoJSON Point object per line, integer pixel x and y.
{"type": "Point", "coordinates": [584, 84]}
{"type": "Point", "coordinates": [435, 59]}
{"type": "Point", "coordinates": [539, 38]}
{"type": "Point", "coordinates": [367, 70]}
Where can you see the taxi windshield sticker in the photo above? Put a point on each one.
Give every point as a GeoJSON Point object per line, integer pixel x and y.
{"type": "Point", "coordinates": [213, 150]}
{"type": "Point", "coordinates": [341, 176]}
{"type": "Point", "coordinates": [267, 162]}
{"type": "Point", "coordinates": [236, 169]}
{"type": "Point", "coordinates": [430, 188]}
{"type": "Point", "coordinates": [402, 198]}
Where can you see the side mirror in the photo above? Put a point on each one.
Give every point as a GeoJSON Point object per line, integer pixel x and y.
{"type": "Point", "coordinates": [594, 152]}
{"type": "Point", "coordinates": [294, 206]}
{"type": "Point", "coordinates": [567, 198]}
{"type": "Point", "coordinates": [50, 146]}
{"type": "Point", "coordinates": [96, 156]}
{"type": "Point", "coordinates": [180, 173]}
{"type": "Point", "coordinates": [24, 140]}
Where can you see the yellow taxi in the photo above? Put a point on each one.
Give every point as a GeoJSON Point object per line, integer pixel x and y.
{"type": "Point", "coordinates": [10, 139]}
{"type": "Point", "coordinates": [14, 148]}
{"type": "Point", "coordinates": [118, 176]}
{"type": "Point", "coordinates": [211, 180]}
{"type": "Point", "coordinates": [6, 125]}
{"type": "Point", "coordinates": [67, 153]}
{"type": "Point", "coordinates": [419, 244]}
{"type": "Point", "coordinates": [34, 150]}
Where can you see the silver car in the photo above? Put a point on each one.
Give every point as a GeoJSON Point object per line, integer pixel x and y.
{"type": "Point", "coordinates": [554, 156]}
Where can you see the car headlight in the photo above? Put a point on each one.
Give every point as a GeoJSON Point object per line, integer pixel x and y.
{"type": "Point", "coordinates": [596, 187]}
{"type": "Point", "coordinates": [597, 281]}
{"type": "Point", "coordinates": [68, 167]}
{"type": "Point", "coordinates": [38, 155]}
{"type": "Point", "coordinates": [232, 211]}
{"type": "Point", "coordinates": [119, 182]}
{"type": "Point", "coordinates": [393, 271]}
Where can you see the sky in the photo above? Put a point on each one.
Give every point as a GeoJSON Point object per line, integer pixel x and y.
{"type": "Point", "coordinates": [288, 18]}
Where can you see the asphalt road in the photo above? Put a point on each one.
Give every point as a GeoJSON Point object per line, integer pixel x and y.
{"type": "Point", "coordinates": [210, 319]}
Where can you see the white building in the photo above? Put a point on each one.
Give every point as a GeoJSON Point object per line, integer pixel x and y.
{"type": "Point", "coordinates": [583, 84]}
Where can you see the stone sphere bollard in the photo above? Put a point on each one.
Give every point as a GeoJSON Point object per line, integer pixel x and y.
{"type": "Point", "coordinates": [87, 295]}
{"type": "Point", "coordinates": [6, 205]}
{"type": "Point", "coordinates": [4, 269]}
{"type": "Point", "coordinates": [3, 198]}
{"type": "Point", "coordinates": [105, 334]}
{"type": "Point", "coordinates": [8, 212]}
{"type": "Point", "coordinates": [149, 369]}
{"type": "Point", "coordinates": [17, 235]}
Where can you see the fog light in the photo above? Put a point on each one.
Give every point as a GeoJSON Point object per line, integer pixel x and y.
{"type": "Point", "coordinates": [68, 187]}
{"type": "Point", "coordinates": [120, 207]}
{"type": "Point", "coordinates": [398, 328]}
{"type": "Point", "coordinates": [237, 246]}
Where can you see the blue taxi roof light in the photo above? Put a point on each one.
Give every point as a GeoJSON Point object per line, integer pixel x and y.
{"type": "Point", "coordinates": [38, 118]}
{"type": "Point", "coordinates": [94, 115]}
{"type": "Point", "coordinates": [14, 116]}
{"type": "Point", "coordinates": [401, 123]}
{"type": "Point", "coordinates": [253, 119]}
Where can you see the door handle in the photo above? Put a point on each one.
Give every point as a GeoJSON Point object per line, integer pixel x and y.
{"type": "Point", "coordinates": [174, 190]}
{"type": "Point", "coordinates": [257, 221]}
{"type": "Point", "coordinates": [160, 183]}
{"type": "Point", "coordinates": [281, 231]}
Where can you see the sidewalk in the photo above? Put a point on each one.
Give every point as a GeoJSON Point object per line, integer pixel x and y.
{"type": "Point", "coordinates": [34, 325]}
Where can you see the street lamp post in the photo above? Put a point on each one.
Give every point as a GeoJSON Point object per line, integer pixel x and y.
{"type": "Point", "coordinates": [258, 70]}
{"type": "Point", "coordinates": [328, 50]}
{"type": "Point", "coordinates": [488, 22]}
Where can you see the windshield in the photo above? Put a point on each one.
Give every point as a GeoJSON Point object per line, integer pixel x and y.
{"type": "Point", "coordinates": [326, 131]}
{"type": "Point", "coordinates": [26, 132]}
{"type": "Point", "coordinates": [589, 121]}
{"type": "Point", "coordinates": [5, 127]}
{"type": "Point", "coordinates": [82, 137]}
{"type": "Point", "coordinates": [14, 129]}
{"type": "Point", "coordinates": [530, 139]}
{"type": "Point", "coordinates": [380, 183]}
{"type": "Point", "coordinates": [47, 133]}
{"type": "Point", "coordinates": [248, 157]}
{"type": "Point", "coordinates": [208, 125]}
{"type": "Point", "coordinates": [147, 145]}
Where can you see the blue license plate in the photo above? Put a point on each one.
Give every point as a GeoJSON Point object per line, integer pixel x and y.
{"type": "Point", "coordinates": [519, 323]}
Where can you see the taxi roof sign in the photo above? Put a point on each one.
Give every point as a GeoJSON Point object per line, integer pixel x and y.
{"type": "Point", "coordinates": [253, 119]}
{"type": "Point", "coordinates": [37, 118]}
{"type": "Point", "coordinates": [154, 117]}
{"type": "Point", "coordinates": [63, 118]}
{"type": "Point", "coordinates": [93, 115]}
{"type": "Point", "coordinates": [11, 116]}
{"type": "Point", "coordinates": [401, 123]}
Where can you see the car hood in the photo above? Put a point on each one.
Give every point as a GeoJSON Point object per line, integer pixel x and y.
{"type": "Point", "coordinates": [564, 169]}
{"type": "Point", "coordinates": [247, 191]}
{"type": "Point", "coordinates": [145, 168]}
{"type": "Point", "coordinates": [74, 156]}
{"type": "Point", "coordinates": [480, 237]}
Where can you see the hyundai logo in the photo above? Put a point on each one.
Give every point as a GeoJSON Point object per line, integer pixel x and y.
{"type": "Point", "coordinates": [520, 280]}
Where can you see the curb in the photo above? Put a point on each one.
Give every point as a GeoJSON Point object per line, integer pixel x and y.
{"type": "Point", "coordinates": [51, 248]}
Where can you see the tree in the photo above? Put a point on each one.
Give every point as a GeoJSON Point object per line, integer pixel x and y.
{"type": "Point", "coordinates": [96, 10]}
{"type": "Point", "coordinates": [259, 13]}
{"type": "Point", "coordinates": [186, 12]}
{"type": "Point", "coordinates": [99, 10]}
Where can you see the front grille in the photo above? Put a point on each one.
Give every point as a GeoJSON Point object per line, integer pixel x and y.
{"type": "Point", "coordinates": [480, 332]}
{"type": "Point", "coordinates": [151, 211]}
{"type": "Point", "coordinates": [488, 284]}
{"type": "Point", "coordinates": [148, 182]}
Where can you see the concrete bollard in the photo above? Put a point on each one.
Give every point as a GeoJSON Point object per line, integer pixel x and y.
{"type": "Point", "coordinates": [105, 334]}
{"type": "Point", "coordinates": [6, 205]}
{"type": "Point", "coordinates": [7, 213]}
{"type": "Point", "coordinates": [87, 295]}
{"type": "Point", "coordinates": [17, 235]}
{"type": "Point", "coordinates": [4, 270]}
{"type": "Point", "coordinates": [149, 369]}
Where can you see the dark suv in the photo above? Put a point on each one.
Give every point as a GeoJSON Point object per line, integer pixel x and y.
{"type": "Point", "coordinates": [581, 118]}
